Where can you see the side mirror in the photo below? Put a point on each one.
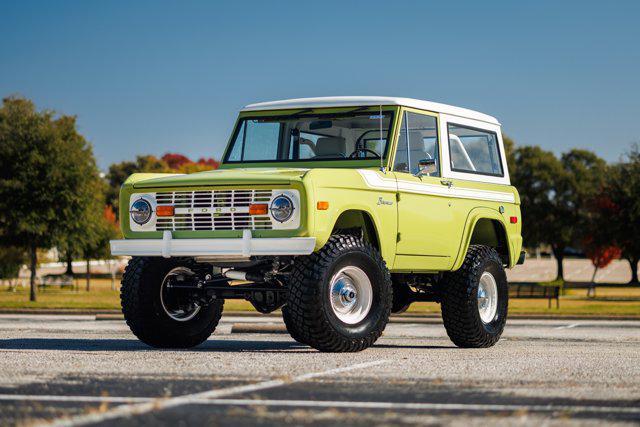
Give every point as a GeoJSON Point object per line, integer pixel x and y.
{"type": "Point", "coordinates": [426, 167]}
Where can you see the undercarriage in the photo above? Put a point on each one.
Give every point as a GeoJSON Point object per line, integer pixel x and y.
{"type": "Point", "coordinates": [264, 284]}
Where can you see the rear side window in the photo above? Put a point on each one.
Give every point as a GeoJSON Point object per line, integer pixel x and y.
{"type": "Point", "coordinates": [474, 151]}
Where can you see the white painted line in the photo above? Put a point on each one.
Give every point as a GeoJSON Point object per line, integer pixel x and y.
{"type": "Point", "coordinates": [420, 406]}
{"type": "Point", "coordinates": [158, 404]}
{"type": "Point", "coordinates": [84, 399]}
{"type": "Point", "coordinates": [573, 325]}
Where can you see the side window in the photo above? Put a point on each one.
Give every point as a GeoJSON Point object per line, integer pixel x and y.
{"type": "Point", "coordinates": [474, 151]}
{"type": "Point", "coordinates": [417, 141]}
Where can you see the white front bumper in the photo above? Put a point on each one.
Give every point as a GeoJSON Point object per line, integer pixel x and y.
{"type": "Point", "coordinates": [244, 247]}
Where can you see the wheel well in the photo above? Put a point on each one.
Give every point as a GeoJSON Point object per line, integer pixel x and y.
{"type": "Point", "coordinates": [490, 232]}
{"type": "Point", "coordinates": [354, 221]}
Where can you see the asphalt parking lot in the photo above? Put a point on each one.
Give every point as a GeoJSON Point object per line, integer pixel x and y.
{"type": "Point", "coordinates": [74, 370]}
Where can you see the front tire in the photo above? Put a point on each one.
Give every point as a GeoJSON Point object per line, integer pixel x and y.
{"type": "Point", "coordinates": [151, 312]}
{"type": "Point", "coordinates": [476, 299]}
{"type": "Point", "coordinates": [291, 326]}
{"type": "Point", "coordinates": [340, 297]}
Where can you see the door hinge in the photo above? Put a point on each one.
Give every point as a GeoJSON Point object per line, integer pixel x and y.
{"type": "Point", "coordinates": [397, 237]}
{"type": "Point", "coordinates": [397, 197]}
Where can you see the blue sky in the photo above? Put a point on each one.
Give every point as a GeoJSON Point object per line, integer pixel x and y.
{"type": "Point", "coordinates": [153, 77]}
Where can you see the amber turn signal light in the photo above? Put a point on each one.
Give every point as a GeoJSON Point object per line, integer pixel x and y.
{"type": "Point", "coordinates": [165, 211]}
{"type": "Point", "coordinates": [258, 209]}
{"type": "Point", "coordinates": [323, 206]}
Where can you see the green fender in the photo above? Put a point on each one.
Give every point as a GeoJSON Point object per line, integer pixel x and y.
{"type": "Point", "coordinates": [473, 217]}
{"type": "Point", "coordinates": [387, 243]}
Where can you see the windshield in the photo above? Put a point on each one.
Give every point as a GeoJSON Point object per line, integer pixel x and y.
{"type": "Point", "coordinates": [339, 136]}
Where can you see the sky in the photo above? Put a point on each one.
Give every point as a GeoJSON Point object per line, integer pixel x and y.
{"type": "Point", "coordinates": [155, 77]}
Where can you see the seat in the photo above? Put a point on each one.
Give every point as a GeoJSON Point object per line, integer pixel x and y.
{"type": "Point", "coordinates": [330, 147]}
{"type": "Point", "coordinates": [416, 149]}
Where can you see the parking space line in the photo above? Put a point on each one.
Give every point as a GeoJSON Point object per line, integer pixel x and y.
{"type": "Point", "coordinates": [82, 399]}
{"type": "Point", "coordinates": [158, 404]}
{"type": "Point", "coordinates": [573, 325]}
{"type": "Point", "coordinates": [420, 406]}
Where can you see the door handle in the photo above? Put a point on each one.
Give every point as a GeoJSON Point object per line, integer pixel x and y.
{"type": "Point", "coordinates": [446, 182]}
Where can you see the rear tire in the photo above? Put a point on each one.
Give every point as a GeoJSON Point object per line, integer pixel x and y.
{"type": "Point", "coordinates": [476, 299]}
{"type": "Point", "coordinates": [340, 297]}
{"type": "Point", "coordinates": [147, 315]}
{"type": "Point", "coordinates": [401, 297]}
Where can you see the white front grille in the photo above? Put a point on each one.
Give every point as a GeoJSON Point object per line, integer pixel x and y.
{"type": "Point", "coordinates": [207, 210]}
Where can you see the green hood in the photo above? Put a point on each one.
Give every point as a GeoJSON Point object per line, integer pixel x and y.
{"type": "Point", "coordinates": [265, 176]}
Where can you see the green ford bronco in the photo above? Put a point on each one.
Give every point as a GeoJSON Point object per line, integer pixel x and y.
{"type": "Point", "coordinates": [339, 211]}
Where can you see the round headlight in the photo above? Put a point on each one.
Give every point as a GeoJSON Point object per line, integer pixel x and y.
{"type": "Point", "coordinates": [281, 208]}
{"type": "Point", "coordinates": [140, 211]}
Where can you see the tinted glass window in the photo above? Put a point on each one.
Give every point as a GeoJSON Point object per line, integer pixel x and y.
{"type": "Point", "coordinates": [474, 150]}
{"type": "Point", "coordinates": [417, 141]}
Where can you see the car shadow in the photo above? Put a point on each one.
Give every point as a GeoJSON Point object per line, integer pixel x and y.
{"type": "Point", "coordinates": [416, 347]}
{"type": "Point", "coordinates": [79, 344]}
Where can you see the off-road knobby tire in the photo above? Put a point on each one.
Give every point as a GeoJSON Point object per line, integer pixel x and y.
{"type": "Point", "coordinates": [142, 309]}
{"type": "Point", "coordinates": [291, 326]}
{"type": "Point", "coordinates": [309, 308]}
{"type": "Point", "coordinates": [460, 300]}
{"type": "Point", "coordinates": [401, 297]}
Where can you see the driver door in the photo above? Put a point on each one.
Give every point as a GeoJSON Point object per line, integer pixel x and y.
{"type": "Point", "coordinates": [424, 209]}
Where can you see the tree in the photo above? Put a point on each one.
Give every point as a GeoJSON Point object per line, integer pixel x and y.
{"type": "Point", "coordinates": [168, 163]}
{"type": "Point", "coordinates": [600, 256]}
{"type": "Point", "coordinates": [119, 172]}
{"type": "Point", "coordinates": [554, 194]}
{"type": "Point", "coordinates": [89, 192]}
{"type": "Point", "coordinates": [623, 217]}
{"type": "Point", "coordinates": [41, 178]}
{"type": "Point", "coordinates": [509, 152]}
{"type": "Point", "coordinates": [538, 174]}
{"type": "Point", "coordinates": [104, 228]}
{"type": "Point", "coordinates": [175, 160]}
{"type": "Point", "coordinates": [585, 177]}
{"type": "Point", "coordinates": [11, 261]}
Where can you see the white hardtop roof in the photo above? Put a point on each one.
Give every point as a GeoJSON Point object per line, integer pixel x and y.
{"type": "Point", "coordinates": [355, 101]}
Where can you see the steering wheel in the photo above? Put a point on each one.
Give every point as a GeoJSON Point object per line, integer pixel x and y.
{"type": "Point", "coordinates": [364, 150]}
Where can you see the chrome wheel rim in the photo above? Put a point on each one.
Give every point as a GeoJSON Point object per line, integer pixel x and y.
{"type": "Point", "coordinates": [487, 297]}
{"type": "Point", "coordinates": [173, 309]}
{"type": "Point", "coordinates": [350, 295]}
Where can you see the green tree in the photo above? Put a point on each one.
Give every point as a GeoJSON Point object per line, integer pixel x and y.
{"type": "Point", "coordinates": [554, 195]}
{"type": "Point", "coordinates": [89, 191]}
{"type": "Point", "coordinates": [509, 151]}
{"type": "Point", "coordinates": [119, 172]}
{"type": "Point", "coordinates": [42, 178]}
{"type": "Point", "coordinates": [537, 176]}
{"type": "Point", "coordinates": [623, 216]}
{"type": "Point", "coordinates": [11, 260]}
{"type": "Point", "coordinates": [104, 228]}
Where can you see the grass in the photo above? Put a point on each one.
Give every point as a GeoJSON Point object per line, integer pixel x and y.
{"type": "Point", "coordinates": [609, 301]}
{"type": "Point", "coordinates": [101, 297]}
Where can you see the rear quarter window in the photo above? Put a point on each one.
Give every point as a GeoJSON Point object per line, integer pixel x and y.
{"type": "Point", "coordinates": [474, 150]}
